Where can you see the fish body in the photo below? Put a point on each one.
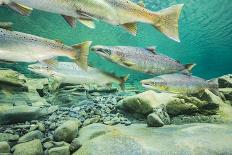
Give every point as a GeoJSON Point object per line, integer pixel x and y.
{"type": "Point", "coordinates": [180, 84]}
{"type": "Point", "coordinates": [6, 25]}
{"type": "Point", "coordinates": [145, 60]}
{"type": "Point", "coordinates": [69, 72]}
{"type": "Point", "coordinates": [115, 12]}
{"type": "Point", "coordinates": [22, 47]}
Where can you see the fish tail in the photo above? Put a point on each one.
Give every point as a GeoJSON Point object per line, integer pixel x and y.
{"type": "Point", "coordinates": [189, 67]}
{"type": "Point", "coordinates": [81, 54]}
{"type": "Point", "coordinates": [123, 80]}
{"type": "Point", "coordinates": [214, 86]}
{"type": "Point", "coordinates": [167, 21]}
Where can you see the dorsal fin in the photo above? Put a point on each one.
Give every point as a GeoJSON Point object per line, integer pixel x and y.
{"type": "Point", "coordinates": [131, 27]}
{"type": "Point", "coordinates": [21, 9]}
{"type": "Point", "coordinates": [152, 49]}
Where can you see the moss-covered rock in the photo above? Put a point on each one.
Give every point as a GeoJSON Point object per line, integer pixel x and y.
{"type": "Point", "coordinates": [29, 148]}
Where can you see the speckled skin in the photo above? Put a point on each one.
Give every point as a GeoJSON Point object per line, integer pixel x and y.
{"type": "Point", "coordinates": [70, 73]}
{"type": "Point", "coordinates": [142, 59]}
{"type": "Point", "coordinates": [21, 47]}
{"type": "Point", "coordinates": [115, 12]}
{"type": "Point", "coordinates": [179, 83]}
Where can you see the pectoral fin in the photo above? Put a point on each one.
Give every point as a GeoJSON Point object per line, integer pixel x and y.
{"type": "Point", "coordinates": [131, 27]}
{"type": "Point", "coordinates": [52, 63]}
{"type": "Point", "coordinates": [70, 20]}
{"type": "Point", "coordinates": [128, 63]}
{"type": "Point", "coordinates": [88, 23]}
{"type": "Point", "coordinates": [21, 9]}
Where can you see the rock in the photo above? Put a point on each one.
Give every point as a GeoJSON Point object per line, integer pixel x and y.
{"type": "Point", "coordinates": [29, 148]}
{"type": "Point", "coordinates": [49, 110]}
{"type": "Point", "coordinates": [31, 136]}
{"type": "Point", "coordinates": [225, 81]}
{"type": "Point", "coordinates": [8, 137]}
{"type": "Point", "coordinates": [227, 92]}
{"type": "Point", "coordinates": [179, 107]}
{"type": "Point", "coordinates": [67, 131]}
{"type": "Point", "coordinates": [10, 78]}
{"type": "Point", "coordinates": [91, 120]}
{"type": "Point", "coordinates": [18, 114]}
{"type": "Point", "coordinates": [161, 112]}
{"type": "Point", "coordinates": [64, 150]}
{"type": "Point", "coordinates": [4, 147]}
{"type": "Point", "coordinates": [137, 139]}
{"type": "Point", "coordinates": [153, 120]}
{"type": "Point", "coordinates": [52, 144]}
{"type": "Point", "coordinates": [145, 102]}
{"type": "Point", "coordinates": [75, 145]}
{"type": "Point", "coordinates": [210, 97]}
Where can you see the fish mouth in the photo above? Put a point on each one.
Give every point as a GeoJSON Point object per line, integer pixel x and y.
{"type": "Point", "coordinates": [100, 50]}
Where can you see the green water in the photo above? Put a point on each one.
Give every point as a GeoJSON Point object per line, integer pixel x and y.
{"type": "Point", "coordinates": [205, 31]}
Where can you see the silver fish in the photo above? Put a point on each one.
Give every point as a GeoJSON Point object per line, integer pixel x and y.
{"type": "Point", "coordinates": [145, 60]}
{"type": "Point", "coordinates": [115, 12]}
{"type": "Point", "coordinates": [22, 47]}
{"type": "Point", "coordinates": [69, 72]}
{"type": "Point", "coordinates": [180, 84]}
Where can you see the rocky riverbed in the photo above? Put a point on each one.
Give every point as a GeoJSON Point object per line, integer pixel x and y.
{"type": "Point", "coordinates": [41, 116]}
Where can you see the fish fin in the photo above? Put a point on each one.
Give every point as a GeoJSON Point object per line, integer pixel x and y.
{"type": "Point", "coordinates": [214, 86]}
{"type": "Point", "coordinates": [152, 49]}
{"type": "Point", "coordinates": [189, 67]}
{"type": "Point", "coordinates": [167, 22]}
{"type": "Point", "coordinates": [123, 80]}
{"type": "Point", "coordinates": [88, 23]}
{"type": "Point", "coordinates": [81, 54]}
{"type": "Point", "coordinates": [52, 63]}
{"type": "Point", "coordinates": [21, 9]}
{"type": "Point", "coordinates": [7, 26]}
{"type": "Point", "coordinates": [128, 63]}
{"type": "Point", "coordinates": [131, 27]}
{"type": "Point", "coordinates": [59, 41]}
{"type": "Point", "coordinates": [70, 20]}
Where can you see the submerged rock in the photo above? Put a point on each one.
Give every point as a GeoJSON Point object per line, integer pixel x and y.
{"type": "Point", "coordinates": [64, 150]}
{"type": "Point", "coordinates": [145, 102]}
{"type": "Point", "coordinates": [225, 81]}
{"type": "Point", "coordinates": [75, 145]}
{"type": "Point", "coordinates": [153, 120]}
{"type": "Point", "coordinates": [16, 114]}
{"type": "Point", "coordinates": [4, 147]}
{"type": "Point", "coordinates": [8, 137]}
{"type": "Point", "coordinates": [67, 131]}
{"type": "Point", "coordinates": [31, 136]}
{"type": "Point", "coordinates": [138, 139]}
{"type": "Point", "coordinates": [29, 148]}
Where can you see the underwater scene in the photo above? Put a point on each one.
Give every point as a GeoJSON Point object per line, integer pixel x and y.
{"type": "Point", "coordinates": [115, 77]}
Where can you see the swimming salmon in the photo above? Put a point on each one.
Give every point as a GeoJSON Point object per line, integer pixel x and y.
{"type": "Point", "coordinates": [145, 60]}
{"type": "Point", "coordinates": [22, 47]}
{"type": "Point", "coordinates": [180, 83]}
{"type": "Point", "coordinates": [69, 72]}
{"type": "Point", "coordinates": [115, 12]}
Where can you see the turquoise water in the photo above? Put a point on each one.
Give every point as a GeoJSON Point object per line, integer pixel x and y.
{"type": "Point", "coordinates": [205, 32]}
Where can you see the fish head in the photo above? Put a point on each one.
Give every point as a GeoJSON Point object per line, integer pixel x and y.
{"type": "Point", "coordinates": [156, 83]}
{"type": "Point", "coordinates": [40, 69]}
{"type": "Point", "coordinates": [113, 54]}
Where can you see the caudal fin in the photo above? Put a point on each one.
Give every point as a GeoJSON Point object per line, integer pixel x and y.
{"type": "Point", "coordinates": [81, 54]}
{"type": "Point", "coordinates": [167, 22]}
{"type": "Point", "coordinates": [122, 81]}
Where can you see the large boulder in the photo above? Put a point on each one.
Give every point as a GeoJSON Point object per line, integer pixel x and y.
{"type": "Point", "coordinates": [138, 139]}
{"type": "Point", "coordinates": [64, 150]}
{"type": "Point", "coordinates": [144, 103]}
{"type": "Point", "coordinates": [29, 148]}
{"type": "Point", "coordinates": [67, 131]}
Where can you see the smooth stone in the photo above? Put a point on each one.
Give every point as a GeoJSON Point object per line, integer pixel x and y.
{"type": "Point", "coordinates": [4, 147]}
{"type": "Point", "coordinates": [75, 145]}
{"type": "Point", "coordinates": [153, 120]}
{"type": "Point", "coordinates": [8, 137]}
{"type": "Point", "coordinates": [29, 148]}
{"type": "Point", "coordinates": [18, 114]}
{"type": "Point", "coordinates": [31, 136]}
{"type": "Point", "coordinates": [137, 139]}
{"type": "Point", "coordinates": [64, 150]}
{"type": "Point", "coordinates": [67, 131]}
{"type": "Point", "coordinates": [145, 102]}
